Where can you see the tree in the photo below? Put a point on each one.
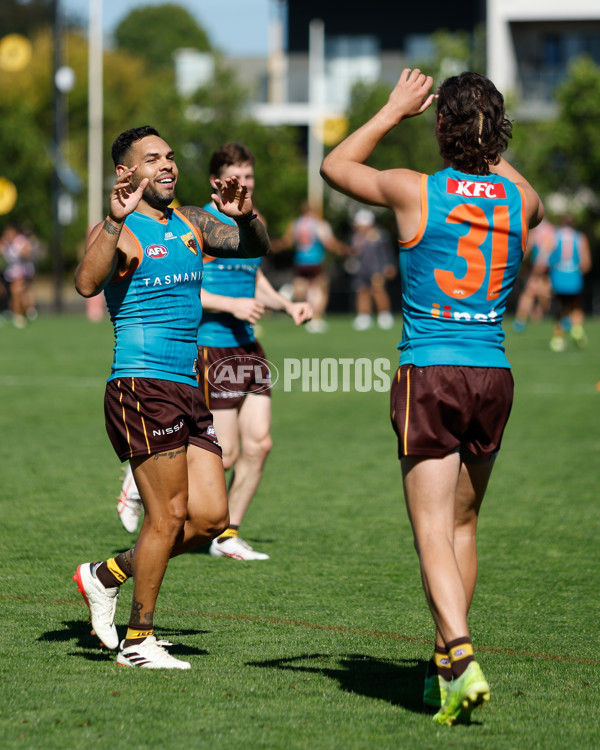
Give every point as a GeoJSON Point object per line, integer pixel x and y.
{"type": "Point", "coordinates": [133, 96]}
{"type": "Point", "coordinates": [562, 157]}
{"type": "Point", "coordinates": [154, 32]}
{"type": "Point", "coordinates": [25, 18]}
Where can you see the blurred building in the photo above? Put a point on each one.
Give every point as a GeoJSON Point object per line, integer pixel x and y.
{"type": "Point", "coordinates": [529, 46]}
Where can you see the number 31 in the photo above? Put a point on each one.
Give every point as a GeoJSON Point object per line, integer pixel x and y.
{"type": "Point", "coordinates": [469, 248]}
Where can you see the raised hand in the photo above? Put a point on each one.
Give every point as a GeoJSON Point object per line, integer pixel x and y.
{"type": "Point", "coordinates": [124, 199]}
{"type": "Point", "coordinates": [232, 198]}
{"type": "Point", "coordinates": [411, 95]}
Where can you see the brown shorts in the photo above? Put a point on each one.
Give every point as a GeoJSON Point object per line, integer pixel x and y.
{"type": "Point", "coordinates": [442, 409]}
{"type": "Point", "coordinates": [145, 416]}
{"type": "Point", "coordinates": [229, 373]}
{"type": "Point", "coordinates": [309, 272]}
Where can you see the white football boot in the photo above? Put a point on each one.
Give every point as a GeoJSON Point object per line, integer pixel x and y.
{"type": "Point", "coordinates": [150, 654]}
{"type": "Point", "coordinates": [102, 603]}
{"type": "Point", "coordinates": [130, 502]}
{"type": "Point", "coordinates": [235, 548]}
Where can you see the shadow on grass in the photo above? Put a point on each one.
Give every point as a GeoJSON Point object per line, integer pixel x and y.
{"type": "Point", "coordinates": [399, 682]}
{"type": "Point", "coordinates": [79, 631]}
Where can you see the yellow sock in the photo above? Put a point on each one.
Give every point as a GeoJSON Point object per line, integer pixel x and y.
{"type": "Point", "coordinates": [461, 655]}
{"type": "Point", "coordinates": [138, 634]}
{"type": "Point", "coordinates": [442, 664]}
{"type": "Point", "coordinates": [229, 532]}
{"type": "Point", "coordinates": [116, 570]}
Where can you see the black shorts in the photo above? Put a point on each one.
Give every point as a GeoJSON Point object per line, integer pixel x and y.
{"type": "Point", "coordinates": [229, 373]}
{"type": "Point", "coordinates": [145, 416]}
{"type": "Point", "coordinates": [442, 409]}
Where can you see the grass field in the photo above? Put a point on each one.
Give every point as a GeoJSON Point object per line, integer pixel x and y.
{"type": "Point", "coordinates": [324, 646]}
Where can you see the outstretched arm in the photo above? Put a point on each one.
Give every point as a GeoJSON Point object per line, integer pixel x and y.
{"type": "Point", "coordinates": [103, 256]}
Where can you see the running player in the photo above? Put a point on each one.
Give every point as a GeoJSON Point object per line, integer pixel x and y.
{"type": "Point", "coordinates": [147, 258]}
{"type": "Point", "coordinates": [310, 236]}
{"type": "Point", "coordinates": [535, 299]}
{"type": "Point", "coordinates": [567, 264]}
{"type": "Point", "coordinates": [462, 232]}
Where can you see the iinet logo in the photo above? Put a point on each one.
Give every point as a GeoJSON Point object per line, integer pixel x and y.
{"type": "Point", "coordinates": [470, 189]}
{"type": "Point", "coordinates": [437, 311]}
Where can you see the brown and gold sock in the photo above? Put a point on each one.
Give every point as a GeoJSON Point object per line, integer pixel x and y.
{"type": "Point", "coordinates": [229, 532]}
{"type": "Point", "coordinates": [116, 570]}
{"type": "Point", "coordinates": [460, 652]}
{"type": "Point", "coordinates": [440, 664]}
{"type": "Point", "coordinates": [136, 634]}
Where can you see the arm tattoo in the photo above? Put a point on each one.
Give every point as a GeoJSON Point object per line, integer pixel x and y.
{"type": "Point", "coordinates": [226, 241]}
{"type": "Point", "coordinates": [110, 228]}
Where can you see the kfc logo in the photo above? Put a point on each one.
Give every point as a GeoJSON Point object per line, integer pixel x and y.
{"type": "Point", "coordinates": [471, 189]}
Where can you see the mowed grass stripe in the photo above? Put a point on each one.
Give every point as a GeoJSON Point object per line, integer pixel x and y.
{"type": "Point", "coordinates": [315, 626]}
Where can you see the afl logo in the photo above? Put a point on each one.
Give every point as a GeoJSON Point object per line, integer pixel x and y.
{"type": "Point", "coordinates": [156, 251]}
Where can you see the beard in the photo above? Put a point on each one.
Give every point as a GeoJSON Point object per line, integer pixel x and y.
{"type": "Point", "coordinates": [153, 195]}
{"type": "Point", "coordinates": [157, 198]}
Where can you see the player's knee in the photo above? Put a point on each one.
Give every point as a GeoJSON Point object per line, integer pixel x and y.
{"type": "Point", "coordinates": [258, 450]}
{"type": "Point", "coordinates": [177, 513]}
{"type": "Point", "coordinates": [171, 520]}
{"type": "Point", "coordinates": [266, 445]}
{"type": "Point", "coordinates": [215, 524]}
{"type": "Point", "coordinates": [230, 456]}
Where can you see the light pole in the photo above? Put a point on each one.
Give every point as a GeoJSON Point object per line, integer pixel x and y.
{"type": "Point", "coordinates": [95, 107]}
{"type": "Point", "coordinates": [316, 100]}
{"type": "Point", "coordinates": [59, 124]}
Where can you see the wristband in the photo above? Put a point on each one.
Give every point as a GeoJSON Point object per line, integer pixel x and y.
{"type": "Point", "coordinates": [245, 219]}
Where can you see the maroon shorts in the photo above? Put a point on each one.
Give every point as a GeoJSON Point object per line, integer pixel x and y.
{"type": "Point", "coordinates": [309, 272]}
{"type": "Point", "coordinates": [145, 416]}
{"type": "Point", "coordinates": [442, 409]}
{"type": "Point", "coordinates": [229, 373]}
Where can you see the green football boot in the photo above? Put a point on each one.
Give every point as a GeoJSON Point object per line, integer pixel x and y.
{"type": "Point", "coordinates": [467, 692]}
{"type": "Point", "coordinates": [435, 691]}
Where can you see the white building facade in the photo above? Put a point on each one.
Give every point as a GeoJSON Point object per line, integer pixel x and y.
{"type": "Point", "coordinates": [530, 44]}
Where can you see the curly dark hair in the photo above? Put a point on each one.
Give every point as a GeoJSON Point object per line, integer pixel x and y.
{"type": "Point", "coordinates": [230, 153]}
{"type": "Point", "coordinates": [127, 138]}
{"type": "Point", "coordinates": [473, 130]}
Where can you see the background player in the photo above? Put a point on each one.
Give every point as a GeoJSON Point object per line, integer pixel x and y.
{"type": "Point", "coordinates": [310, 236]}
{"type": "Point", "coordinates": [234, 297]}
{"type": "Point", "coordinates": [462, 233]}
{"type": "Point", "coordinates": [566, 265]}
{"type": "Point", "coordinates": [535, 299]}
{"type": "Point", "coordinates": [371, 248]}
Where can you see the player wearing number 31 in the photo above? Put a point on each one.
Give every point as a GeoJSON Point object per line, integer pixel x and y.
{"type": "Point", "coordinates": [462, 232]}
